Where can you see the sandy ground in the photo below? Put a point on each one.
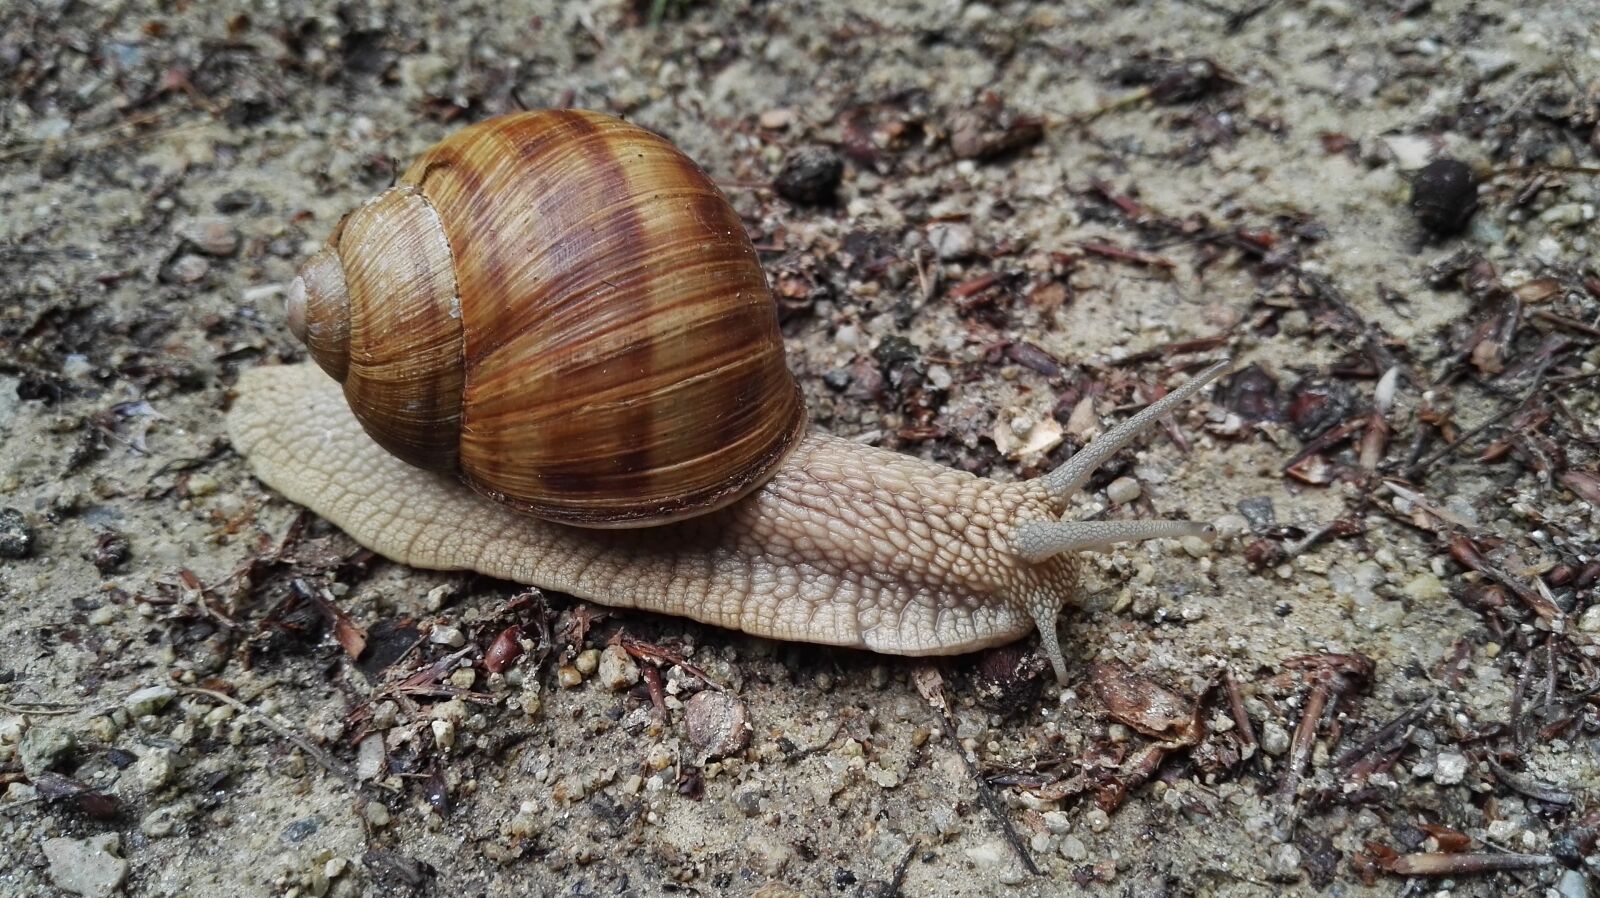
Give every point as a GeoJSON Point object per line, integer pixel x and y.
{"type": "Point", "coordinates": [1386, 668]}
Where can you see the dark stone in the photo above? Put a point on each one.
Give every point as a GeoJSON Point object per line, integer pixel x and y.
{"type": "Point", "coordinates": [1009, 679]}
{"type": "Point", "coordinates": [1444, 196]}
{"type": "Point", "coordinates": [1319, 406]}
{"type": "Point", "coordinates": [1259, 511]}
{"type": "Point", "coordinates": [111, 552]}
{"type": "Point", "coordinates": [301, 829]}
{"type": "Point", "coordinates": [810, 175]}
{"type": "Point", "coordinates": [16, 537]}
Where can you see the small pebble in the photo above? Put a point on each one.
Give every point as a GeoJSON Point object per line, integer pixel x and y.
{"type": "Point", "coordinates": [1449, 768]}
{"type": "Point", "coordinates": [1569, 215]}
{"type": "Point", "coordinates": [810, 175]}
{"type": "Point", "coordinates": [1073, 849]}
{"type": "Point", "coordinates": [447, 636]}
{"type": "Point", "coordinates": [149, 700]}
{"type": "Point", "coordinates": [435, 598]}
{"type": "Point", "coordinates": [1098, 820]}
{"type": "Point", "coordinates": [1231, 525]}
{"type": "Point", "coordinates": [718, 725]}
{"type": "Point", "coordinates": [1572, 884]}
{"type": "Point", "coordinates": [187, 269]}
{"type": "Point", "coordinates": [155, 769]}
{"type": "Point", "coordinates": [617, 669]}
{"type": "Point", "coordinates": [1123, 490]}
{"type": "Point", "coordinates": [996, 854]}
{"type": "Point", "coordinates": [88, 867]}
{"type": "Point", "coordinates": [370, 757]}
{"type": "Point", "coordinates": [201, 485]}
{"type": "Point", "coordinates": [1589, 621]}
{"type": "Point", "coordinates": [16, 537]}
{"type": "Point", "coordinates": [1444, 195]}
{"type": "Point", "coordinates": [43, 747]}
{"type": "Point", "coordinates": [659, 757]}
{"type": "Point", "coordinates": [1258, 512]}
{"type": "Point", "coordinates": [1284, 864]}
{"type": "Point", "coordinates": [163, 821]}
{"type": "Point", "coordinates": [377, 813]}
{"type": "Point", "coordinates": [587, 661]}
{"type": "Point", "coordinates": [952, 240]}
{"type": "Point", "coordinates": [776, 119]}
{"type": "Point", "coordinates": [1274, 739]}
{"type": "Point", "coordinates": [748, 801]}
{"type": "Point", "coordinates": [212, 236]}
{"type": "Point", "coordinates": [569, 676]}
{"type": "Point", "coordinates": [444, 734]}
{"type": "Point", "coordinates": [385, 715]}
{"type": "Point", "coordinates": [1425, 587]}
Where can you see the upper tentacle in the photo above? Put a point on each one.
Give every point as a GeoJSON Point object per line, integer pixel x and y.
{"type": "Point", "coordinates": [1070, 477]}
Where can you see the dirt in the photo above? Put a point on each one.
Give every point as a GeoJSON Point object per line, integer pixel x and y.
{"type": "Point", "coordinates": [1380, 681]}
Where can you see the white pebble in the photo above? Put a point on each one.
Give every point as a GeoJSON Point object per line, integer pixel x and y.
{"type": "Point", "coordinates": [1123, 490]}
{"type": "Point", "coordinates": [1073, 849]}
{"type": "Point", "coordinates": [1274, 739]}
{"type": "Point", "coordinates": [1450, 768]}
{"type": "Point", "coordinates": [148, 700]}
{"type": "Point", "coordinates": [617, 669]}
{"type": "Point", "coordinates": [444, 734]}
{"type": "Point", "coordinates": [1590, 621]}
{"type": "Point", "coordinates": [447, 635]}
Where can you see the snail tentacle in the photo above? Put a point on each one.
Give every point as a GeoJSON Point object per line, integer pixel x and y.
{"type": "Point", "coordinates": [1038, 540]}
{"type": "Point", "coordinates": [1070, 477]}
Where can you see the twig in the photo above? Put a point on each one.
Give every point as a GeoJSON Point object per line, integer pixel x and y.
{"type": "Point", "coordinates": [1118, 254]}
{"type": "Point", "coordinates": [1129, 99]}
{"type": "Point", "coordinates": [1439, 863]}
{"type": "Point", "coordinates": [987, 796]}
{"type": "Point", "coordinates": [1390, 731]}
{"type": "Point", "coordinates": [1417, 469]}
{"type": "Point", "coordinates": [321, 757]}
{"type": "Point", "coordinates": [931, 687]}
{"type": "Point", "coordinates": [892, 887]}
{"type": "Point", "coordinates": [1241, 718]}
{"type": "Point", "coordinates": [41, 709]}
{"type": "Point", "coordinates": [1568, 323]}
{"type": "Point", "coordinates": [1463, 550]}
{"type": "Point", "coordinates": [657, 655]}
{"type": "Point", "coordinates": [1522, 785]}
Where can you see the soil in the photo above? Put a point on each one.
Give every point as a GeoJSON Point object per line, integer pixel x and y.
{"type": "Point", "coordinates": [1380, 681]}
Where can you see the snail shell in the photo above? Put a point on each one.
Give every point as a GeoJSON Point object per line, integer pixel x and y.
{"type": "Point", "coordinates": [563, 309]}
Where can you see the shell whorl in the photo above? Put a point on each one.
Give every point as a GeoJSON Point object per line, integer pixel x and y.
{"type": "Point", "coordinates": [563, 308]}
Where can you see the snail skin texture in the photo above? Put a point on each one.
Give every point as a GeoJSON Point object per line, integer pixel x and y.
{"type": "Point", "coordinates": [834, 542]}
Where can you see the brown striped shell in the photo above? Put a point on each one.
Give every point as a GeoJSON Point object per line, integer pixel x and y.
{"type": "Point", "coordinates": [562, 308]}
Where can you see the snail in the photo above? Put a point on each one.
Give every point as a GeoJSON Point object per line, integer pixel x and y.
{"type": "Point", "coordinates": [548, 354]}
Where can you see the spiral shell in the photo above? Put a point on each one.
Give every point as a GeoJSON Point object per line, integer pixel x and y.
{"type": "Point", "coordinates": [563, 309]}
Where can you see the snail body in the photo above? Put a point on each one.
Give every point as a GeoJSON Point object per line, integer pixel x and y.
{"type": "Point", "coordinates": [807, 537]}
